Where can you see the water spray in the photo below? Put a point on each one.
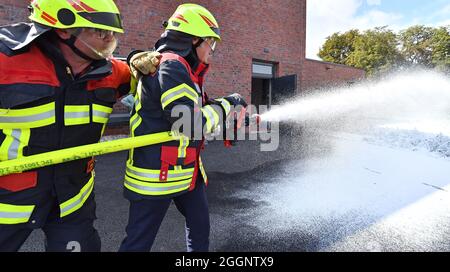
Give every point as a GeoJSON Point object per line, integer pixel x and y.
{"type": "Point", "coordinates": [409, 95]}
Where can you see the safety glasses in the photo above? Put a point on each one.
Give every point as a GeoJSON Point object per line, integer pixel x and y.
{"type": "Point", "coordinates": [211, 43]}
{"type": "Point", "coordinates": [100, 33]}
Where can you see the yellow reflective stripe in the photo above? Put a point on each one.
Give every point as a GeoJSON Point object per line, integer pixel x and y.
{"type": "Point", "coordinates": [7, 142]}
{"type": "Point", "coordinates": [202, 170]}
{"type": "Point", "coordinates": [100, 114]}
{"type": "Point", "coordinates": [139, 88]}
{"type": "Point", "coordinates": [135, 121]}
{"type": "Point", "coordinates": [76, 115]}
{"type": "Point", "coordinates": [184, 143]}
{"type": "Point", "coordinates": [103, 129]}
{"type": "Point", "coordinates": [163, 188]}
{"type": "Point", "coordinates": [28, 118]}
{"type": "Point", "coordinates": [15, 214]}
{"type": "Point", "coordinates": [77, 201]}
{"type": "Point", "coordinates": [153, 175]}
{"type": "Point", "coordinates": [23, 141]}
{"type": "Point", "coordinates": [177, 92]}
{"type": "Point", "coordinates": [225, 104]}
{"type": "Point", "coordinates": [212, 118]}
{"type": "Point", "coordinates": [138, 105]}
{"type": "Point", "coordinates": [14, 143]}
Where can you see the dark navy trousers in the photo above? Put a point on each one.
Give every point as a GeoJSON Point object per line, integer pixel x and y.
{"type": "Point", "coordinates": [146, 216]}
{"type": "Point", "coordinates": [74, 232]}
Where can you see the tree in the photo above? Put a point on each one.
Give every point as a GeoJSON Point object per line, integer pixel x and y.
{"type": "Point", "coordinates": [440, 46]}
{"type": "Point", "coordinates": [417, 45]}
{"type": "Point", "coordinates": [338, 47]}
{"type": "Point", "coordinates": [380, 50]}
{"type": "Point", "coordinates": [376, 51]}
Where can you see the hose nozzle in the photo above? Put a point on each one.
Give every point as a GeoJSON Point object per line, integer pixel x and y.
{"type": "Point", "coordinates": [254, 119]}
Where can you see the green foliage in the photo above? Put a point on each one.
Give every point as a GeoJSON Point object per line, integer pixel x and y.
{"type": "Point", "coordinates": [375, 51]}
{"type": "Point", "coordinates": [338, 46]}
{"type": "Point", "coordinates": [440, 46]}
{"type": "Point", "coordinates": [416, 44]}
{"type": "Point", "coordinates": [381, 50]}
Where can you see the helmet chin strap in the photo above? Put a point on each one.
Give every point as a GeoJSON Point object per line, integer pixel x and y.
{"type": "Point", "coordinates": [71, 43]}
{"type": "Point", "coordinates": [101, 55]}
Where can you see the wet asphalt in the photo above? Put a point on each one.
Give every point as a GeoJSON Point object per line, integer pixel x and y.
{"type": "Point", "coordinates": [238, 176]}
{"type": "Point", "coordinates": [230, 171]}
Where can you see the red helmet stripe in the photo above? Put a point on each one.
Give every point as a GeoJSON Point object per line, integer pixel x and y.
{"type": "Point", "coordinates": [210, 24]}
{"type": "Point", "coordinates": [75, 5]}
{"type": "Point", "coordinates": [179, 16]}
{"type": "Point", "coordinates": [48, 18]}
{"type": "Point", "coordinates": [86, 7]}
{"type": "Point", "coordinates": [80, 6]}
{"type": "Point", "coordinates": [35, 4]}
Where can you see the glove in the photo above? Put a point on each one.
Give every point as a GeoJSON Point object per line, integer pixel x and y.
{"type": "Point", "coordinates": [236, 100]}
{"type": "Point", "coordinates": [144, 63]}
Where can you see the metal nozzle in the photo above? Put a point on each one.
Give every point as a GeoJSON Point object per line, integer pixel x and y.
{"type": "Point", "coordinates": [255, 119]}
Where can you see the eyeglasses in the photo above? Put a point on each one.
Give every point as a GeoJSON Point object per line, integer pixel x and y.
{"type": "Point", "coordinates": [101, 33]}
{"type": "Point", "coordinates": [211, 43]}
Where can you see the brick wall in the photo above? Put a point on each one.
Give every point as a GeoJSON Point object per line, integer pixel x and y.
{"type": "Point", "coordinates": [272, 31]}
{"type": "Point", "coordinates": [268, 30]}
{"type": "Point", "coordinates": [264, 30]}
{"type": "Point", "coordinates": [319, 74]}
{"type": "Point", "coordinates": [13, 11]}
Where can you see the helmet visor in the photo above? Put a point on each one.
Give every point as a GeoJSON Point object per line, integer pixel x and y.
{"type": "Point", "coordinates": [102, 43]}
{"type": "Point", "coordinates": [216, 30]}
{"type": "Point", "coordinates": [211, 42]}
{"type": "Point", "coordinates": [103, 18]}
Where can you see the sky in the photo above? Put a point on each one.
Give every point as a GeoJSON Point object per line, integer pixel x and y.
{"type": "Point", "coordinates": [325, 17]}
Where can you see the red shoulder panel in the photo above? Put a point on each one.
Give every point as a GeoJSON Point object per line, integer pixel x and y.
{"type": "Point", "coordinates": [120, 75]}
{"type": "Point", "coordinates": [32, 67]}
{"type": "Point", "coordinates": [172, 56]}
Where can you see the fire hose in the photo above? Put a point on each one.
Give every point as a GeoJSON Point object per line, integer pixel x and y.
{"type": "Point", "coordinates": [22, 164]}
{"type": "Point", "coordinates": [80, 152]}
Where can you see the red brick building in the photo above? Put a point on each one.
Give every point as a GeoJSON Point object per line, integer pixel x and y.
{"type": "Point", "coordinates": [262, 40]}
{"type": "Point", "coordinates": [318, 74]}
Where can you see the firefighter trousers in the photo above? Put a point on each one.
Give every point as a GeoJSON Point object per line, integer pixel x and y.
{"type": "Point", "coordinates": [146, 216]}
{"type": "Point", "coordinates": [74, 232]}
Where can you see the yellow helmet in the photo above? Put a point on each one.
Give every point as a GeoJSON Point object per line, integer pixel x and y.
{"type": "Point", "coordinates": [101, 14]}
{"type": "Point", "coordinates": [195, 20]}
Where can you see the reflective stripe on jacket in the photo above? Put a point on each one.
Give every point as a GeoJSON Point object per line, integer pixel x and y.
{"type": "Point", "coordinates": [43, 107]}
{"type": "Point", "coordinates": [169, 169]}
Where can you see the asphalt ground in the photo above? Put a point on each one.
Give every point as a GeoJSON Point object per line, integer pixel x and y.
{"type": "Point", "coordinates": [230, 170]}
{"type": "Point", "coordinates": [327, 203]}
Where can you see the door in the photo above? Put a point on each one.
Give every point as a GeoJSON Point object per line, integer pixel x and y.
{"type": "Point", "coordinates": [283, 88]}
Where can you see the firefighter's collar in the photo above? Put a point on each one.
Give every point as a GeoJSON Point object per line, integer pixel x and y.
{"type": "Point", "coordinates": [17, 36]}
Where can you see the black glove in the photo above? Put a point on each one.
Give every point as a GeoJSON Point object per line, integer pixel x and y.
{"type": "Point", "coordinates": [236, 100]}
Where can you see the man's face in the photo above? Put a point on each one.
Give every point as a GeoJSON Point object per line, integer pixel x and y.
{"type": "Point", "coordinates": [206, 49]}
{"type": "Point", "coordinates": [96, 43]}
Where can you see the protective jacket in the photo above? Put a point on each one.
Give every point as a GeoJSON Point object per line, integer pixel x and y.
{"type": "Point", "coordinates": [174, 91]}
{"type": "Point", "coordinates": [44, 107]}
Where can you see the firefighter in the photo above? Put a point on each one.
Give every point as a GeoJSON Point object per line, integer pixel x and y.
{"type": "Point", "coordinates": [158, 174]}
{"type": "Point", "coordinates": [58, 84]}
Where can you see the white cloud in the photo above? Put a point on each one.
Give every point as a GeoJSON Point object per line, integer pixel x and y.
{"type": "Point", "coordinates": [325, 17]}
{"type": "Point", "coordinates": [373, 2]}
